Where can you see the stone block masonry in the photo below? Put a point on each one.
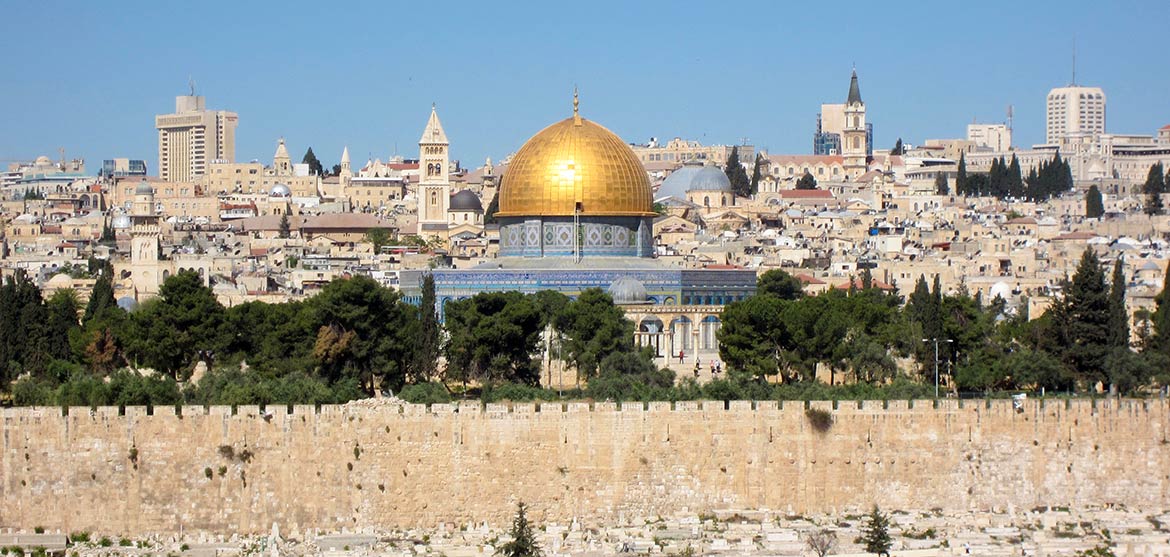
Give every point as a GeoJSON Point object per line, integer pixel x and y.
{"type": "Point", "coordinates": [134, 472]}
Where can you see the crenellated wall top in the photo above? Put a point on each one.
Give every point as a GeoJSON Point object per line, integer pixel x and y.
{"type": "Point", "coordinates": [1030, 407]}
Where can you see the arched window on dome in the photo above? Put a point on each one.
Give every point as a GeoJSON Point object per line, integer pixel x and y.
{"type": "Point", "coordinates": [434, 197]}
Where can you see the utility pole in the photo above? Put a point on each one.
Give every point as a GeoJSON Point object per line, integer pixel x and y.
{"type": "Point", "coordinates": [936, 341]}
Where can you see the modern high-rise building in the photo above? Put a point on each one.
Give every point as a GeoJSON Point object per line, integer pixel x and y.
{"type": "Point", "coordinates": [997, 137]}
{"type": "Point", "coordinates": [192, 137]}
{"type": "Point", "coordinates": [1074, 110]}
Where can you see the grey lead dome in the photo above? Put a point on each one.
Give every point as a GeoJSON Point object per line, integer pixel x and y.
{"type": "Point", "coordinates": [465, 200]}
{"type": "Point", "coordinates": [693, 176]}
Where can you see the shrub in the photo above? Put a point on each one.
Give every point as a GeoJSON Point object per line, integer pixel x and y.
{"type": "Point", "coordinates": [227, 451]}
{"type": "Point", "coordinates": [39, 530]}
{"type": "Point", "coordinates": [125, 542]}
{"type": "Point", "coordinates": [820, 420]}
{"type": "Point", "coordinates": [425, 393]}
{"type": "Point", "coordinates": [105, 542]}
{"type": "Point", "coordinates": [207, 472]}
{"type": "Point", "coordinates": [79, 537]}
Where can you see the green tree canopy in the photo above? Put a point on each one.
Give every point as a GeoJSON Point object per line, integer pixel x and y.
{"type": "Point", "coordinates": [779, 283]}
{"type": "Point", "coordinates": [493, 337]}
{"type": "Point", "coordinates": [593, 327]}
{"type": "Point", "coordinates": [806, 182]}
{"type": "Point", "coordinates": [366, 332]}
{"type": "Point", "coordinates": [184, 324]}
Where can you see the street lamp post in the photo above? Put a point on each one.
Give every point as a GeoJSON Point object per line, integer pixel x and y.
{"type": "Point", "coordinates": [936, 341]}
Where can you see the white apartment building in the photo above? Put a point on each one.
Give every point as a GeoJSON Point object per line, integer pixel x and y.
{"type": "Point", "coordinates": [1075, 109]}
{"type": "Point", "coordinates": [997, 137]}
{"type": "Point", "coordinates": [192, 137]}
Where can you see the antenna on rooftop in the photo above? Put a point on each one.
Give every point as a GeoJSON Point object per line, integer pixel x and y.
{"type": "Point", "coordinates": [1010, 112]}
{"type": "Point", "coordinates": [191, 84]}
{"type": "Point", "coordinates": [1074, 60]}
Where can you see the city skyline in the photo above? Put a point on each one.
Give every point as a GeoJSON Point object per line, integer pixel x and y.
{"type": "Point", "coordinates": [691, 77]}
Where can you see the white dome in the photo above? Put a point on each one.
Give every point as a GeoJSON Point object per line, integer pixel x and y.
{"type": "Point", "coordinates": [1000, 289]}
{"type": "Point", "coordinates": [627, 290]}
{"type": "Point", "coordinates": [281, 190]}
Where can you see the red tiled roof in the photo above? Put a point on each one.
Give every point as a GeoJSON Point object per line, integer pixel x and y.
{"type": "Point", "coordinates": [857, 284]}
{"type": "Point", "coordinates": [1076, 236]}
{"type": "Point", "coordinates": [807, 159]}
{"type": "Point", "coordinates": [809, 279]}
{"type": "Point", "coordinates": [806, 194]}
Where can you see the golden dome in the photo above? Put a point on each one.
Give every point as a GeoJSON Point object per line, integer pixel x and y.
{"type": "Point", "coordinates": [575, 161]}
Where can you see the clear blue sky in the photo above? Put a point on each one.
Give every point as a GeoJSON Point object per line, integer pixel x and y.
{"type": "Point", "coordinates": [90, 77]}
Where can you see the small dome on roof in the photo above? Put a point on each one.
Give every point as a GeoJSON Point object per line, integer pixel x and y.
{"type": "Point", "coordinates": [43, 161]}
{"type": "Point", "coordinates": [694, 176]}
{"type": "Point", "coordinates": [628, 290]}
{"type": "Point", "coordinates": [465, 200]}
{"type": "Point", "coordinates": [143, 188]}
{"type": "Point", "coordinates": [281, 190]}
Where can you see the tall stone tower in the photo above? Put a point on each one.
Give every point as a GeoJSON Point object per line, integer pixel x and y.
{"type": "Point", "coordinates": [346, 174]}
{"type": "Point", "coordinates": [854, 138]}
{"type": "Point", "coordinates": [434, 188]}
{"type": "Point", "coordinates": [144, 241]}
{"type": "Point", "coordinates": [281, 162]}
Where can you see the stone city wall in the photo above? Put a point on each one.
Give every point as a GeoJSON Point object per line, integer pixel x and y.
{"type": "Point", "coordinates": [223, 470]}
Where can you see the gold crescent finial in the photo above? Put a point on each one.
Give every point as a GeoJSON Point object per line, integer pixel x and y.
{"type": "Point", "coordinates": [576, 103]}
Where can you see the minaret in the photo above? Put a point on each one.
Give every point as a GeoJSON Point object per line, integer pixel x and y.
{"type": "Point", "coordinates": [346, 173]}
{"type": "Point", "coordinates": [280, 161]}
{"type": "Point", "coordinates": [144, 240]}
{"type": "Point", "coordinates": [434, 188]}
{"type": "Point", "coordinates": [853, 142]}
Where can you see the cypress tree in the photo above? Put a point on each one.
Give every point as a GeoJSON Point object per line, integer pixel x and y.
{"type": "Point", "coordinates": [1118, 315]}
{"type": "Point", "coordinates": [1086, 331]}
{"type": "Point", "coordinates": [898, 149]}
{"type": "Point", "coordinates": [427, 352]}
{"type": "Point", "coordinates": [740, 183]}
{"type": "Point", "coordinates": [1094, 206]}
{"type": "Point", "coordinates": [940, 184]}
{"type": "Point", "coordinates": [1155, 181]}
{"type": "Point", "coordinates": [285, 228]}
{"type": "Point", "coordinates": [102, 296]}
{"type": "Point", "coordinates": [875, 535]}
{"type": "Point", "coordinates": [523, 542]}
{"type": "Point", "coordinates": [314, 164]}
{"type": "Point", "coordinates": [1160, 342]}
{"type": "Point", "coordinates": [961, 176]}
{"type": "Point", "coordinates": [755, 184]}
{"type": "Point", "coordinates": [1015, 178]}
{"type": "Point", "coordinates": [489, 216]}
{"type": "Point", "coordinates": [62, 310]}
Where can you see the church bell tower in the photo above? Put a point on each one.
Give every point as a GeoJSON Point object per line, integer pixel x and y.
{"type": "Point", "coordinates": [854, 136]}
{"type": "Point", "coordinates": [434, 188]}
